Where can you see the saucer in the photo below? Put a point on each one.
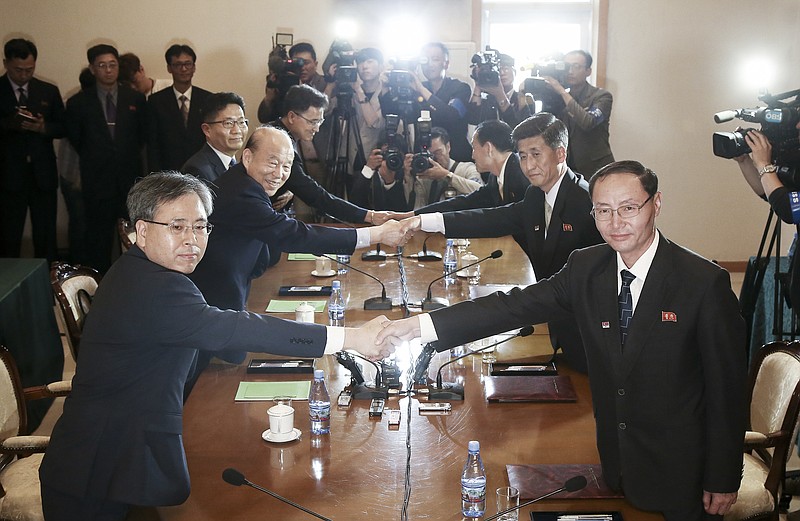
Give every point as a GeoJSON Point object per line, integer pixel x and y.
{"type": "Point", "coordinates": [329, 273]}
{"type": "Point", "coordinates": [279, 438]}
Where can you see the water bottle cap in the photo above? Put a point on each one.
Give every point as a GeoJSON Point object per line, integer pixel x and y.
{"type": "Point", "coordinates": [474, 446]}
{"type": "Point", "coordinates": [336, 284]}
{"type": "Point", "coordinates": [449, 242]}
{"type": "Point", "coordinates": [319, 373]}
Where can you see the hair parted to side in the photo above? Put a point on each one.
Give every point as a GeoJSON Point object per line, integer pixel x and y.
{"type": "Point", "coordinates": [647, 177]}
{"type": "Point", "coordinates": [159, 188]}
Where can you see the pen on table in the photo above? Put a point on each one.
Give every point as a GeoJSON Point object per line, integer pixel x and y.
{"type": "Point", "coordinates": [586, 517]}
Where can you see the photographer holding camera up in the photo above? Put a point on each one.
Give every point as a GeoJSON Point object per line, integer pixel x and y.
{"type": "Point", "coordinates": [494, 96]}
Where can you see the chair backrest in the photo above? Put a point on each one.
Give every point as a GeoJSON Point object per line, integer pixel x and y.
{"type": "Point", "coordinates": [127, 234]}
{"type": "Point", "coordinates": [13, 420]}
{"type": "Point", "coordinates": [74, 287]}
{"type": "Point", "coordinates": [775, 403]}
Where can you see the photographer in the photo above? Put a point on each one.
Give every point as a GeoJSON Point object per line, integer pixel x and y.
{"type": "Point", "coordinates": [762, 176]}
{"type": "Point", "coordinates": [304, 59]}
{"type": "Point", "coordinates": [497, 100]}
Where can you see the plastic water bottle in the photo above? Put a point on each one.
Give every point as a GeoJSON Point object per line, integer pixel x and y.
{"type": "Point", "coordinates": [450, 263]}
{"type": "Point", "coordinates": [336, 305]}
{"type": "Point", "coordinates": [473, 483]}
{"type": "Point", "coordinates": [319, 405]}
{"type": "Point", "coordinates": [344, 260]}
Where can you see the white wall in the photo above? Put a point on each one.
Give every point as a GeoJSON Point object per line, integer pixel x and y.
{"type": "Point", "coordinates": [670, 64]}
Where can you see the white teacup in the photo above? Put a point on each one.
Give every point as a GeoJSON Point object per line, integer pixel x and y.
{"type": "Point", "coordinates": [281, 421]}
{"type": "Point", "coordinates": [323, 265]}
{"type": "Point", "coordinates": [304, 313]}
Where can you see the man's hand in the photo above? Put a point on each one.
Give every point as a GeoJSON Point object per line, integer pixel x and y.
{"type": "Point", "coordinates": [387, 176]}
{"type": "Point", "coordinates": [399, 331]}
{"type": "Point", "coordinates": [375, 159]}
{"type": "Point", "coordinates": [399, 216]}
{"type": "Point", "coordinates": [761, 148]}
{"type": "Point", "coordinates": [499, 93]}
{"type": "Point", "coordinates": [32, 126]}
{"type": "Point", "coordinates": [413, 223]}
{"type": "Point", "coordinates": [282, 200]}
{"type": "Point", "coordinates": [717, 503]}
{"type": "Point", "coordinates": [391, 233]}
{"type": "Point", "coordinates": [556, 86]}
{"type": "Point", "coordinates": [436, 171]}
{"type": "Point", "coordinates": [362, 339]}
{"type": "Point", "coordinates": [379, 218]}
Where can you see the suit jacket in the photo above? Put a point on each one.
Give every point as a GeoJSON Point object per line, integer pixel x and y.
{"type": "Point", "coordinates": [670, 407]}
{"type": "Point", "coordinates": [109, 165]}
{"type": "Point", "coordinates": [119, 437]}
{"type": "Point", "coordinates": [205, 164]}
{"type": "Point", "coordinates": [448, 108]}
{"type": "Point", "coordinates": [587, 117]}
{"type": "Point", "coordinates": [314, 195]}
{"type": "Point", "coordinates": [249, 235]}
{"type": "Point", "coordinates": [18, 145]}
{"type": "Point", "coordinates": [169, 143]}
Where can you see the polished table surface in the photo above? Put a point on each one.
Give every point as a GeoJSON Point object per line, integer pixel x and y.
{"type": "Point", "coordinates": [358, 471]}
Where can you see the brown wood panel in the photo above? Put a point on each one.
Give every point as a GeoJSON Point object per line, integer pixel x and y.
{"type": "Point", "coordinates": [358, 471]}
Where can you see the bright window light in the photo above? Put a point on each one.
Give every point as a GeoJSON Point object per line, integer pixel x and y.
{"type": "Point", "coordinates": [758, 73]}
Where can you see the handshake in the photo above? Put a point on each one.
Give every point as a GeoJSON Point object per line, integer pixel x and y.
{"type": "Point", "coordinates": [378, 338]}
{"type": "Point", "coordinates": [391, 232]}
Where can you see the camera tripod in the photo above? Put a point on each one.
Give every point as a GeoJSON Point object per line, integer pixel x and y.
{"type": "Point", "coordinates": [754, 281]}
{"type": "Point", "coordinates": [345, 128]}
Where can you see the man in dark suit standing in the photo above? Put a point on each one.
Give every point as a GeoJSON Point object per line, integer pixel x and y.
{"type": "Point", "coordinates": [664, 342]}
{"type": "Point", "coordinates": [31, 116]}
{"type": "Point", "coordinates": [225, 128]}
{"type": "Point", "coordinates": [174, 132]}
{"type": "Point", "coordinates": [554, 217]}
{"type": "Point", "coordinates": [106, 124]}
{"type": "Point", "coordinates": [118, 442]}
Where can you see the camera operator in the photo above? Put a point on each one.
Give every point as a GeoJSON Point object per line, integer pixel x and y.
{"type": "Point", "coordinates": [270, 107]}
{"type": "Point", "coordinates": [587, 114]}
{"type": "Point", "coordinates": [762, 176]}
{"type": "Point", "coordinates": [498, 100]}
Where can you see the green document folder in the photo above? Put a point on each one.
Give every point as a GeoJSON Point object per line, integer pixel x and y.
{"type": "Point", "coordinates": [302, 256]}
{"type": "Point", "coordinates": [288, 306]}
{"type": "Point", "coordinates": [263, 391]}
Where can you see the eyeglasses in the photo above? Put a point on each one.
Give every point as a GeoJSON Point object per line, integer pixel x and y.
{"type": "Point", "coordinates": [182, 65]}
{"type": "Point", "coordinates": [629, 211]}
{"type": "Point", "coordinates": [314, 122]}
{"type": "Point", "coordinates": [111, 66]}
{"type": "Point", "coordinates": [229, 123]}
{"type": "Point", "coordinates": [177, 228]}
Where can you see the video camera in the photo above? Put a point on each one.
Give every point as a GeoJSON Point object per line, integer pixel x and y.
{"type": "Point", "coordinates": [343, 55]}
{"type": "Point", "coordinates": [541, 91]}
{"type": "Point", "coordinates": [284, 72]}
{"type": "Point", "coordinates": [486, 68]}
{"type": "Point", "coordinates": [420, 161]}
{"type": "Point", "coordinates": [400, 82]}
{"type": "Point", "coordinates": [778, 120]}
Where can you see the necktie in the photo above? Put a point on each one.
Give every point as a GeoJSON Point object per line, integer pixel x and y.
{"type": "Point", "coordinates": [232, 163]}
{"type": "Point", "coordinates": [22, 101]}
{"type": "Point", "coordinates": [625, 304]}
{"type": "Point", "coordinates": [184, 109]}
{"type": "Point", "coordinates": [111, 113]}
{"type": "Point", "coordinates": [548, 213]}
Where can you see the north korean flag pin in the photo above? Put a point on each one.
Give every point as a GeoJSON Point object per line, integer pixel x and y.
{"type": "Point", "coordinates": [566, 227]}
{"type": "Point", "coordinates": [668, 316]}
{"type": "Point", "coordinates": [605, 325]}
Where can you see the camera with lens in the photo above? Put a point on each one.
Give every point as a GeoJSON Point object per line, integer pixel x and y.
{"type": "Point", "coordinates": [284, 72]}
{"type": "Point", "coordinates": [420, 161]}
{"type": "Point", "coordinates": [486, 68]}
{"type": "Point", "coordinates": [778, 121]}
{"type": "Point", "coordinates": [393, 156]}
{"type": "Point", "coordinates": [541, 91]}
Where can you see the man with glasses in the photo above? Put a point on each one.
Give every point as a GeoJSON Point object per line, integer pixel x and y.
{"type": "Point", "coordinates": [174, 132]}
{"type": "Point", "coordinates": [664, 342]}
{"type": "Point", "coordinates": [552, 219]}
{"type": "Point", "coordinates": [107, 125]}
{"type": "Point", "coordinates": [118, 442]}
{"type": "Point", "coordinates": [225, 128]}
{"type": "Point", "coordinates": [587, 114]}
{"type": "Point", "coordinates": [500, 101]}
{"type": "Point", "coordinates": [304, 108]}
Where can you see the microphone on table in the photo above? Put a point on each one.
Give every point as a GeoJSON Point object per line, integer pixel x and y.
{"type": "Point", "coordinates": [425, 255]}
{"type": "Point", "coordinates": [361, 391]}
{"type": "Point", "coordinates": [421, 364]}
{"type": "Point", "coordinates": [454, 391]}
{"type": "Point", "coordinates": [430, 303]}
{"type": "Point", "coordinates": [374, 303]}
{"type": "Point", "coordinates": [236, 478]}
{"type": "Point", "coordinates": [373, 255]}
{"type": "Point", "coordinates": [573, 484]}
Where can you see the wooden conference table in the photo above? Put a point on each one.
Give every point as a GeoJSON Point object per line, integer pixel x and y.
{"type": "Point", "coordinates": [358, 471]}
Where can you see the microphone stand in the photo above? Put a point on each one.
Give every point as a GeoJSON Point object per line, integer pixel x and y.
{"type": "Point", "coordinates": [431, 303]}
{"type": "Point", "coordinates": [452, 391]}
{"type": "Point", "coordinates": [361, 391]}
{"type": "Point", "coordinates": [425, 255]}
{"type": "Point", "coordinates": [237, 479]}
{"type": "Point", "coordinates": [572, 485]}
{"type": "Point", "coordinates": [382, 303]}
{"type": "Point", "coordinates": [374, 255]}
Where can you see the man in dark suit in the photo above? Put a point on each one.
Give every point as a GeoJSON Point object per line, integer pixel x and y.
{"type": "Point", "coordinates": [106, 125]}
{"type": "Point", "coordinates": [551, 234]}
{"type": "Point", "coordinates": [31, 116]}
{"type": "Point", "coordinates": [225, 127]}
{"type": "Point", "coordinates": [665, 346]}
{"type": "Point", "coordinates": [174, 132]}
{"type": "Point", "coordinates": [304, 109]}
{"type": "Point", "coordinates": [118, 442]}
{"type": "Point", "coordinates": [250, 235]}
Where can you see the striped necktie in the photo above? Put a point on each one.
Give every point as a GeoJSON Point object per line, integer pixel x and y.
{"type": "Point", "coordinates": [625, 304]}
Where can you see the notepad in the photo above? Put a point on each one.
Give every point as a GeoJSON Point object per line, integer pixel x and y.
{"type": "Point", "coordinates": [288, 306]}
{"type": "Point", "coordinates": [263, 391]}
{"type": "Point", "coordinates": [302, 256]}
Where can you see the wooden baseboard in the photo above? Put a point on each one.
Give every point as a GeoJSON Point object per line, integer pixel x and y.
{"type": "Point", "coordinates": [733, 266]}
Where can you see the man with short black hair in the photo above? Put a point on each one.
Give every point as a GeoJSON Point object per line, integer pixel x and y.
{"type": "Point", "coordinates": [225, 128]}
{"type": "Point", "coordinates": [31, 116]}
{"type": "Point", "coordinates": [107, 125]}
{"type": "Point", "coordinates": [131, 72]}
{"type": "Point", "coordinates": [174, 132]}
{"type": "Point", "coordinates": [500, 101]}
